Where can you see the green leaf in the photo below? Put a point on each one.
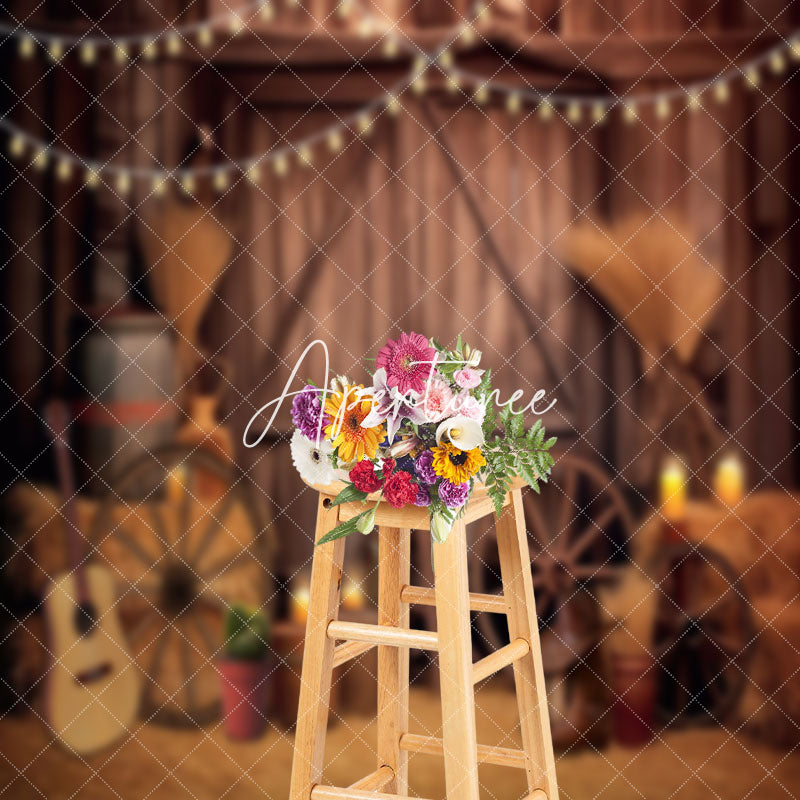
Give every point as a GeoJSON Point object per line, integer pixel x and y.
{"type": "Point", "coordinates": [343, 529]}
{"type": "Point", "coordinates": [550, 442]}
{"type": "Point", "coordinates": [348, 495]}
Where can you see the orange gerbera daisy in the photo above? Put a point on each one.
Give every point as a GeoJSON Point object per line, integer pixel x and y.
{"type": "Point", "coordinates": [347, 409]}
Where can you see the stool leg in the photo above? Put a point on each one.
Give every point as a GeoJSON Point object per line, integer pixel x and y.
{"type": "Point", "coordinates": [534, 718]}
{"type": "Point", "coordinates": [315, 683]}
{"type": "Point", "coordinates": [394, 572]}
{"type": "Point", "coordinates": [455, 666]}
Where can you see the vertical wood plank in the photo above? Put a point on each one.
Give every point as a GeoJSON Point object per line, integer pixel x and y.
{"type": "Point", "coordinates": [315, 681]}
{"type": "Point", "coordinates": [534, 719]}
{"type": "Point", "coordinates": [455, 666]}
{"type": "Point", "coordinates": [394, 553]}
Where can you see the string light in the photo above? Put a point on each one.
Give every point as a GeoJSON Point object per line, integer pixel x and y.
{"type": "Point", "coordinates": [173, 44]}
{"type": "Point", "coordinates": [445, 59]}
{"type": "Point", "coordinates": [598, 113]}
{"type": "Point", "coordinates": [794, 49]}
{"type": "Point", "coordinates": [418, 84]}
{"type": "Point", "coordinates": [27, 47]}
{"type": "Point", "coordinates": [88, 53]}
{"type": "Point", "coordinates": [220, 181]}
{"type": "Point", "coordinates": [235, 25]}
{"type": "Point", "coordinates": [344, 8]}
{"type": "Point", "coordinates": [393, 106]}
{"type": "Point", "coordinates": [159, 185]}
{"type": "Point", "coordinates": [364, 124]}
{"type": "Point", "coordinates": [693, 101]}
{"type": "Point", "coordinates": [574, 113]}
{"type": "Point", "coordinates": [267, 11]}
{"type": "Point", "coordinates": [467, 35]}
{"type": "Point", "coordinates": [149, 51]}
{"type": "Point", "coordinates": [629, 113]}
{"type": "Point", "coordinates": [16, 146]}
{"type": "Point", "coordinates": [391, 48]}
{"type": "Point", "coordinates": [63, 170]}
{"type": "Point", "coordinates": [722, 92]}
{"type": "Point", "coordinates": [120, 53]}
{"type": "Point", "coordinates": [753, 78]}
{"type": "Point", "coordinates": [280, 165]}
{"type": "Point", "coordinates": [56, 49]}
{"type": "Point", "coordinates": [545, 110]}
{"type": "Point", "coordinates": [481, 95]}
{"type": "Point", "coordinates": [365, 28]}
{"type": "Point", "coordinates": [335, 140]}
{"type": "Point", "coordinates": [662, 108]}
{"type": "Point", "coordinates": [92, 178]}
{"type": "Point", "coordinates": [777, 62]}
{"type": "Point", "coordinates": [453, 84]}
{"type": "Point", "coordinates": [514, 103]}
{"type": "Point", "coordinates": [40, 160]}
{"type": "Point", "coordinates": [188, 183]}
{"type": "Point", "coordinates": [205, 37]}
{"type": "Point", "coordinates": [123, 183]}
{"type": "Point", "coordinates": [253, 173]}
{"type": "Point", "coordinates": [305, 155]}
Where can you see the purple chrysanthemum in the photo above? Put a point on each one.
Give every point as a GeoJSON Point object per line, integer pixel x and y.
{"type": "Point", "coordinates": [306, 412]}
{"type": "Point", "coordinates": [423, 497]}
{"type": "Point", "coordinates": [423, 466]}
{"type": "Point", "coordinates": [453, 495]}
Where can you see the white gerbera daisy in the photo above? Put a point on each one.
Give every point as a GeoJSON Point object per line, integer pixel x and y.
{"type": "Point", "coordinates": [312, 462]}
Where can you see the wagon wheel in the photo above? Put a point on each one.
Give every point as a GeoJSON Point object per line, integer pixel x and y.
{"type": "Point", "coordinates": [703, 634]}
{"type": "Point", "coordinates": [183, 538]}
{"type": "Point", "coordinates": [577, 528]}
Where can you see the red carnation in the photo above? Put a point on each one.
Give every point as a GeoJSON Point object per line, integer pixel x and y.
{"type": "Point", "coordinates": [364, 478]}
{"type": "Point", "coordinates": [399, 490]}
{"type": "Point", "coordinates": [388, 466]}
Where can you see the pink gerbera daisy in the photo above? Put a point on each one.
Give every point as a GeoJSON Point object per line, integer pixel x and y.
{"type": "Point", "coordinates": [408, 362]}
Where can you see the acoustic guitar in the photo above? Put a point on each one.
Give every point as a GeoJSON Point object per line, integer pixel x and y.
{"type": "Point", "coordinates": [93, 686]}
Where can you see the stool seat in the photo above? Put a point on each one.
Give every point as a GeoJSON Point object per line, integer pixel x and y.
{"type": "Point", "coordinates": [331, 642]}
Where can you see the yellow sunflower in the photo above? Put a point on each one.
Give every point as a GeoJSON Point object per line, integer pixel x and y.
{"type": "Point", "coordinates": [346, 412]}
{"type": "Point", "coordinates": [457, 466]}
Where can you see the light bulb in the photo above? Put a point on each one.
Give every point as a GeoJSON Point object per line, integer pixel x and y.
{"type": "Point", "coordinates": [753, 78]}
{"type": "Point", "coordinates": [335, 140]}
{"type": "Point", "coordinates": [220, 180]}
{"type": "Point", "coordinates": [446, 59]}
{"type": "Point", "coordinates": [481, 95]}
{"type": "Point", "coordinates": [188, 183]}
{"type": "Point", "coordinates": [467, 35]}
{"type": "Point", "coordinates": [120, 52]}
{"type": "Point", "coordinates": [722, 92]}
{"type": "Point", "coordinates": [514, 103]}
{"type": "Point", "coordinates": [693, 101]}
{"type": "Point", "coordinates": [364, 124]}
{"type": "Point", "coordinates": [599, 113]}
{"type": "Point", "coordinates": [40, 160]}
{"type": "Point", "coordinates": [365, 28]}
{"type": "Point", "coordinates": [662, 108]}
{"type": "Point", "coordinates": [304, 155]}
{"type": "Point", "coordinates": [88, 53]}
{"type": "Point", "coordinates": [280, 165]}
{"type": "Point", "coordinates": [173, 44]}
{"type": "Point", "coordinates": [629, 113]}
{"type": "Point", "coordinates": [390, 47]}
{"type": "Point", "coordinates": [159, 185]}
{"type": "Point", "coordinates": [794, 49]}
{"type": "Point", "coordinates": [92, 178]}
{"type": "Point", "coordinates": [149, 50]}
{"type": "Point", "coordinates": [393, 106]}
{"type": "Point", "coordinates": [574, 113]}
{"type": "Point", "coordinates": [267, 11]}
{"type": "Point", "coordinates": [16, 147]}
{"type": "Point", "coordinates": [27, 47]}
{"type": "Point", "coordinates": [254, 173]}
{"type": "Point", "coordinates": [205, 37]}
{"type": "Point", "coordinates": [123, 184]}
{"type": "Point", "coordinates": [235, 25]}
{"type": "Point", "coordinates": [777, 62]}
{"type": "Point", "coordinates": [63, 170]}
{"type": "Point", "coordinates": [545, 110]}
{"type": "Point", "coordinates": [344, 8]}
{"type": "Point", "coordinates": [453, 84]}
{"type": "Point", "coordinates": [56, 49]}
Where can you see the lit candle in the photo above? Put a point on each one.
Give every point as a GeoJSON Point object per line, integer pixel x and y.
{"type": "Point", "coordinates": [728, 480]}
{"type": "Point", "coordinates": [176, 483]}
{"type": "Point", "coordinates": [353, 596]}
{"type": "Point", "coordinates": [299, 605]}
{"type": "Point", "coordinates": [672, 489]}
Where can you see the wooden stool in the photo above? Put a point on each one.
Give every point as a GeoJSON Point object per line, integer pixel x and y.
{"type": "Point", "coordinates": [458, 673]}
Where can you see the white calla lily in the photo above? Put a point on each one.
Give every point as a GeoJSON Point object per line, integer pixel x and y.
{"type": "Point", "coordinates": [463, 432]}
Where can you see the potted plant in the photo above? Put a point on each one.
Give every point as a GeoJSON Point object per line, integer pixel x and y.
{"type": "Point", "coordinates": [243, 670]}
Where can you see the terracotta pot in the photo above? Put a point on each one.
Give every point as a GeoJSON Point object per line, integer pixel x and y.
{"type": "Point", "coordinates": [245, 696]}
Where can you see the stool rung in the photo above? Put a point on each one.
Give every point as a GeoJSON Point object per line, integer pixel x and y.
{"type": "Point", "coordinates": [537, 794]}
{"type": "Point", "coordinates": [419, 595]}
{"type": "Point", "coordinates": [512, 652]}
{"type": "Point", "coordinates": [375, 781]}
{"type": "Point", "coordinates": [349, 650]}
{"type": "Point", "coordinates": [382, 634]}
{"type": "Point", "coordinates": [487, 754]}
{"type": "Point", "coordinates": [334, 793]}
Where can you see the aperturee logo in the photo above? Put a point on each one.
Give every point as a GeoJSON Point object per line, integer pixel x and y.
{"type": "Point", "coordinates": [423, 433]}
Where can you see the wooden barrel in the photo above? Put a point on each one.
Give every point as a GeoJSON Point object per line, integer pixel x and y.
{"type": "Point", "coordinates": [125, 379]}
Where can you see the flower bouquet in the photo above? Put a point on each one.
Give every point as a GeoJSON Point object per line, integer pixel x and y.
{"type": "Point", "coordinates": [423, 434]}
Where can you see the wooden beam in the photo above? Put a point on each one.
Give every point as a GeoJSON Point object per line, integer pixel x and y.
{"type": "Point", "coordinates": [379, 634]}
{"type": "Point", "coordinates": [512, 652]}
{"type": "Point", "coordinates": [421, 596]}
{"type": "Point", "coordinates": [375, 781]}
{"type": "Point", "coordinates": [487, 754]}
{"type": "Point", "coordinates": [348, 651]}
